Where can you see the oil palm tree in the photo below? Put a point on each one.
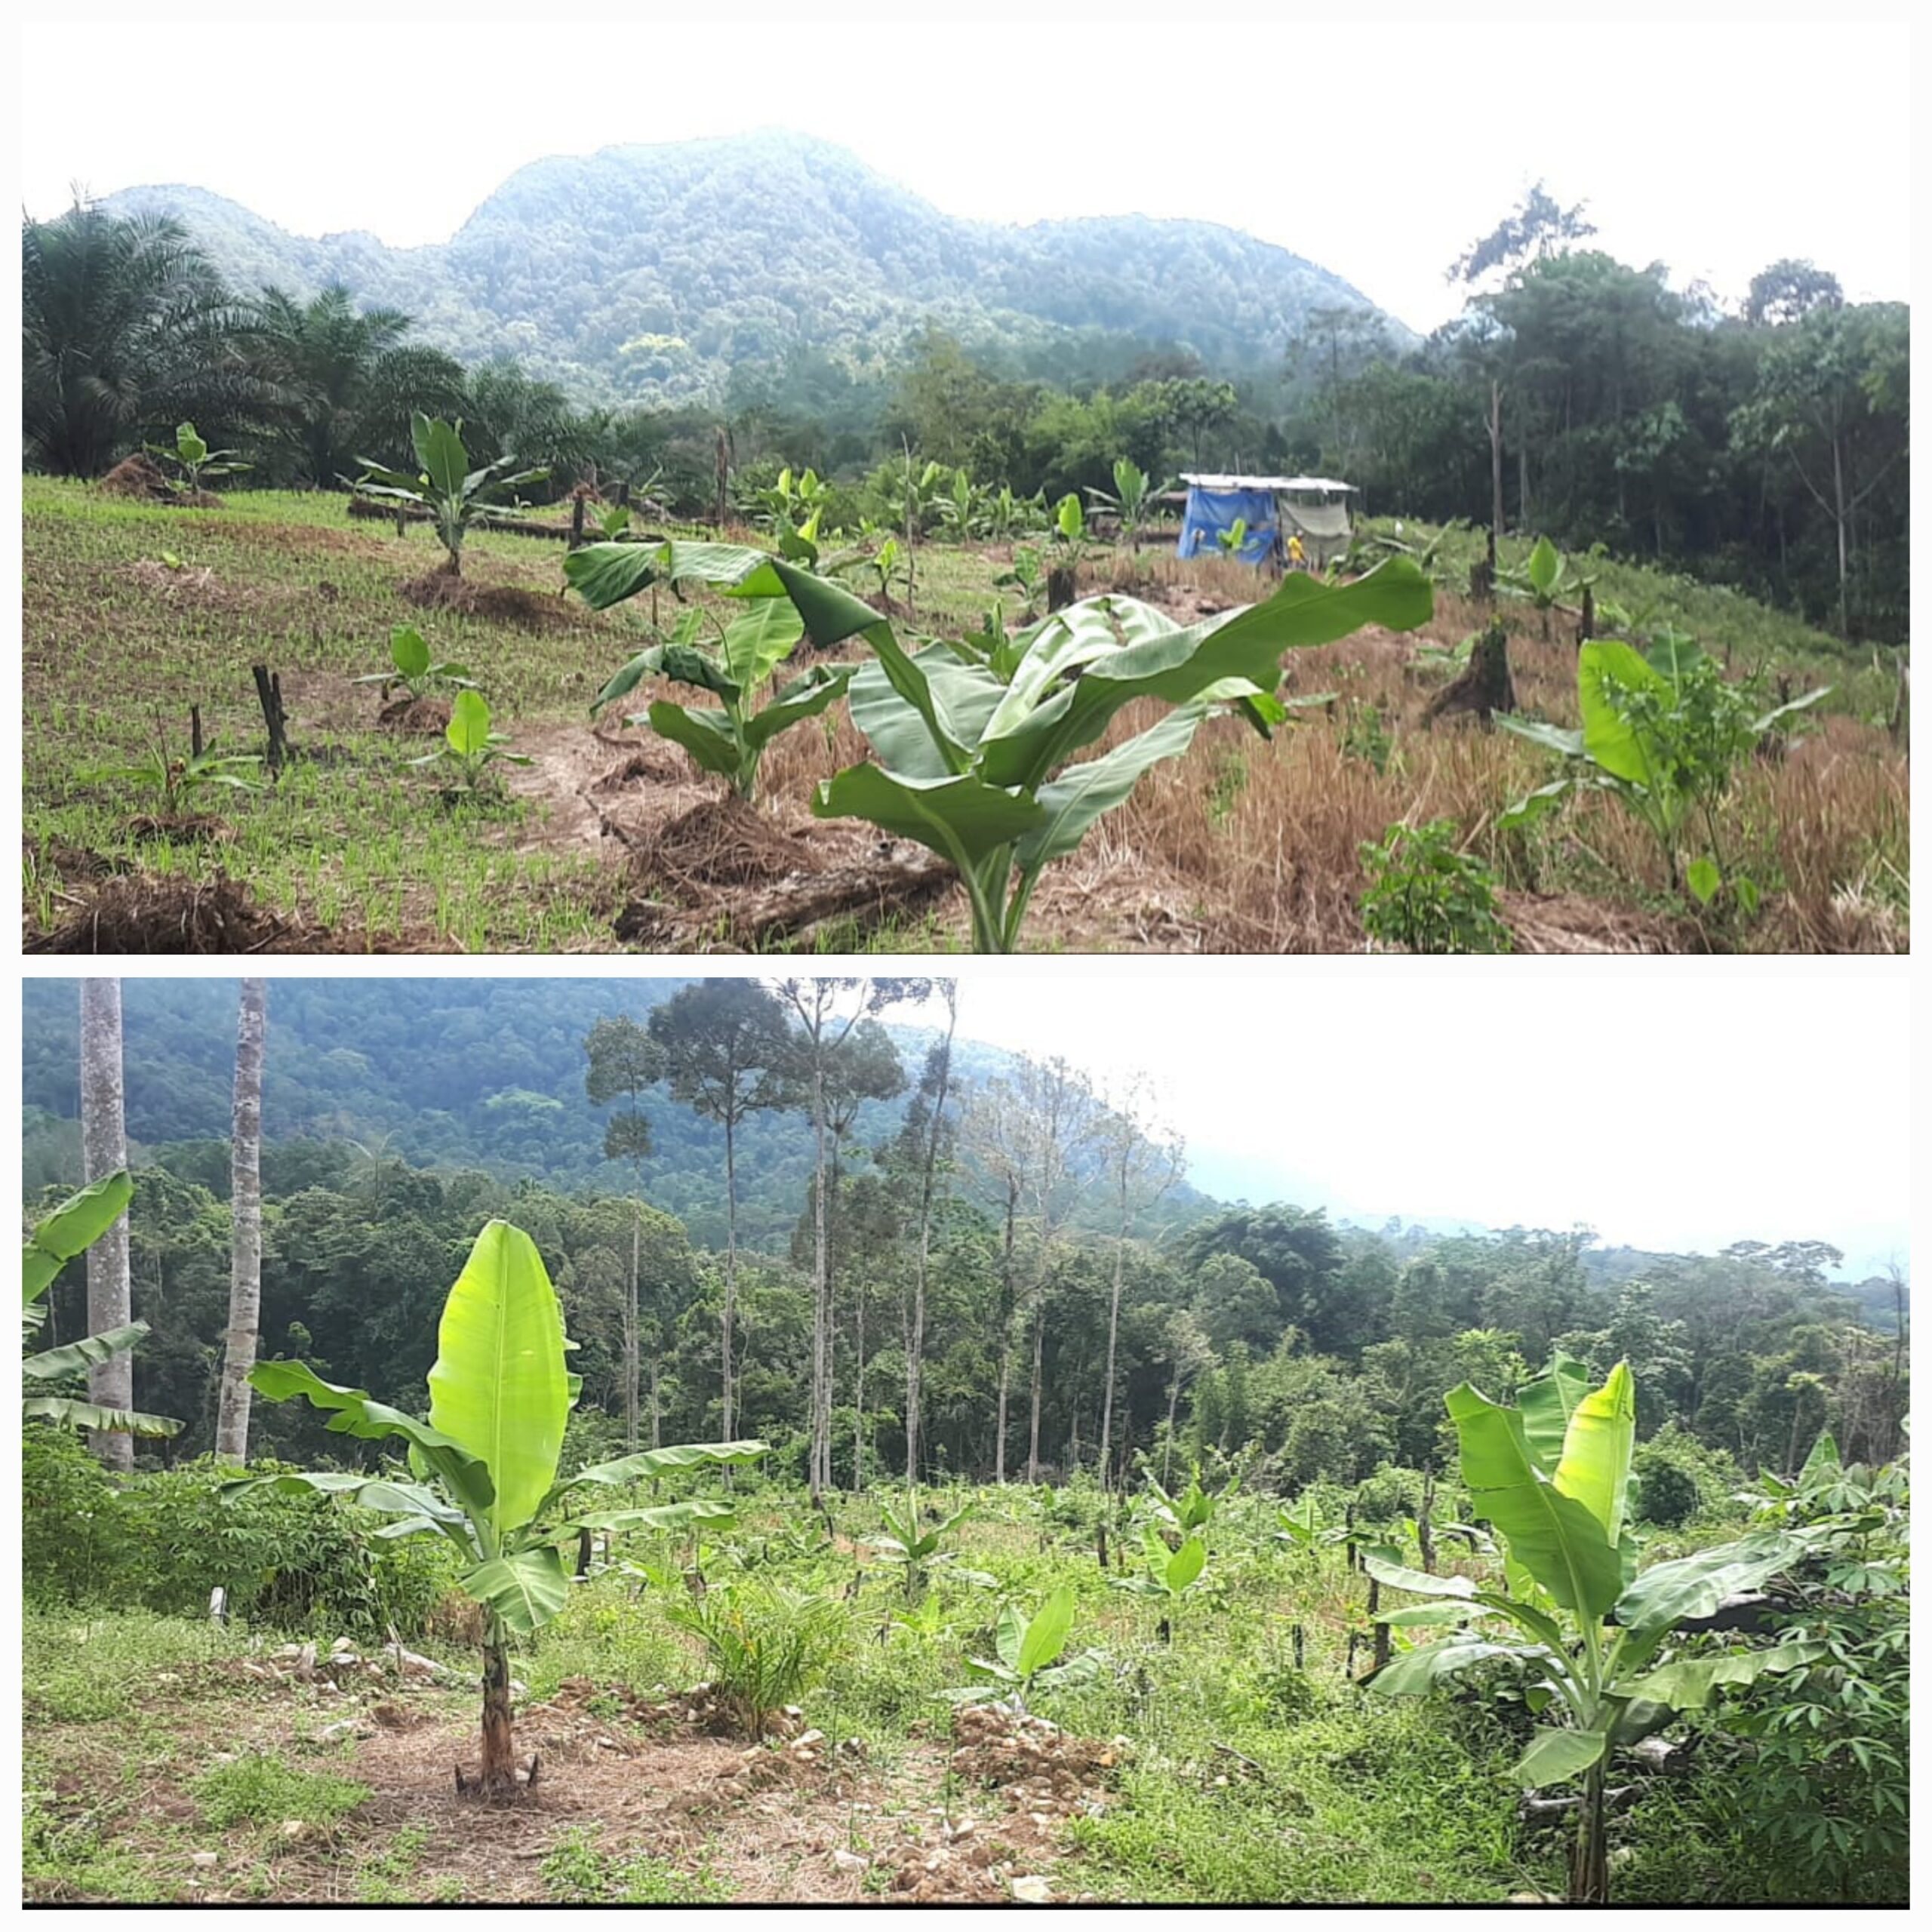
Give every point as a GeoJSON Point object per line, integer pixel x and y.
{"type": "Point", "coordinates": [125, 327]}
{"type": "Point", "coordinates": [344, 381]}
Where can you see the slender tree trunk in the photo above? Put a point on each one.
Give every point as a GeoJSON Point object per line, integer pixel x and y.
{"type": "Point", "coordinates": [1113, 1334]}
{"type": "Point", "coordinates": [859, 1393]}
{"type": "Point", "coordinates": [915, 1353]}
{"type": "Point", "coordinates": [499, 1738]}
{"type": "Point", "coordinates": [104, 1152]}
{"type": "Point", "coordinates": [244, 1283]}
{"type": "Point", "coordinates": [821, 1445]}
{"type": "Point", "coordinates": [632, 1337]}
{"type": "Point", "coordinates": [1039, 1355]}
{"type": "Point", "coordinates": [1005, 1331]}
{"type": "Point", "coordinates": [1841, 516]}
{"type": "Point", "coordinates": [730, 1273]}
{"type": "Point", "coordinates": [656, 1414]}
{"type": "Point", "coordinates": [1495, 472]}
{"type": "Point", "coordinates": [1167, 1449]}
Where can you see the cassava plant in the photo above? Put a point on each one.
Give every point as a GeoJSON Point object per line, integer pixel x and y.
{"type": "Point", "coordinates": [1665, 732]}
{"type": "Point", "coordinates": [456, 497]}
{"type": "Point", "coordinates": [71, 1230]}
{"type": "Point", "coordinates": [1594, 1643]}
{"type": "Point", "coordinates": [974, 764]}
{"type": "Point", "coordinates": [730, 740]}
{"type": "Point", "coordinates": [482, 1469]}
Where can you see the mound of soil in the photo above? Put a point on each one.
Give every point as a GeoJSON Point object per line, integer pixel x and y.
{"type": "Point", "coordinates": [406, 714]}
{"type": "Point", "coordinates": [193, 499]}
{"type": "Point", "coordinates": [140, 477]}
{"type": "Point", "coordinates": [504, 603]}
{"type": "Point", "coordinates": [1038, 1768]}
{"type": "Point", "coordinates": [143, 915]}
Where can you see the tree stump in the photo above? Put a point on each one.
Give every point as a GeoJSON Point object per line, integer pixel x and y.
{"type": "Point", "coordinates": [1484, 686]}
{"type": "Point", "coordinates": [1482, 581]}
{"type": "Point", "coordinates": [1586, 622]}
{"type": "Point", "coordinates": [267, 688]}
{"type": "Point", "coordinates": [1060, 588]}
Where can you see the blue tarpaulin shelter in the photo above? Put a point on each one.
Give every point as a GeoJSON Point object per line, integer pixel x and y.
{"type": "Point", "coordinates": [1210, 512]}
{"type": "Point", "coordinates": [1313, 507]}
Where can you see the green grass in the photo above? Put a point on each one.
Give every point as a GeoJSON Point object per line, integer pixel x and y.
{"type": "Point", "coordinates": [261, 1789]}
{"type": "Point", "coordinates": [576, 1872]}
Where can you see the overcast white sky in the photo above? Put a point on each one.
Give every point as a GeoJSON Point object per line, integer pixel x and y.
{"type": "Point", "coordinates": [1372, 148]}
{"type": "Point", "coordinates": [1668, 1105]}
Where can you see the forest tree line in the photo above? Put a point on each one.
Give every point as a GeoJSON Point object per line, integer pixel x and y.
{"type": "Point", "coordinates": [954, 1278]}
{"type": "Point", "coordinates": [1766, 448]}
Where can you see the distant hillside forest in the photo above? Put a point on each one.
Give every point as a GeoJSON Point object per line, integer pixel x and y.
{"type": "Point", "coordinates": [643, 315]}
{"type": "Point", "coordinates": [993, 1235]}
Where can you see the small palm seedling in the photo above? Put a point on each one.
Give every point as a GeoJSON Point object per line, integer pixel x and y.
{"type": "Point", "coordinates": [730, 740]}
{"type": "Point", "coordinates": [412, 667]}
{"type": "Point", "coordinates": [197, 463]}
{"type": "Point", "coordinates": [905, 1542]}
{"type": "Point", "coordinates": [482, 1469]}
{"type": "Point", "coordinates": [763, 1647]}
{"type": "Point", "coordinates": [456, 497]}
{"type": "Point", "coordinates": [469, 743]}
{"type": "Point", "coordinates": [1553, 1476]}
{"type": "Point", "coordinates": [179, 779]}
{"type": "Point", "coordinates": [71, 1230]}
{"type": "Point", "coordinates": [1665, 732]}
{"type": "Point", "coordinates": [1028, 1662]}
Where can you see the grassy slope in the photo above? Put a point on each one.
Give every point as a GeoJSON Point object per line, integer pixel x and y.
{"type": "Point", "coordinates": [1342, 1795]}
{"type": "Point", "coordinates": [1240, 846]}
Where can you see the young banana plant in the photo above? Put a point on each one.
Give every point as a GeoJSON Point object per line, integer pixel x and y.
{"type": "Point", "coordinates": [1553, 1476]}
{"type": "Point", "coordinates": [71, 1230]}
{"type": "Point", "coordinates": [1029, 1653]}
{"type": "Point", "coordinates": [905, 1542]}
{"type": "Point", "coordinates": [482, 1469]}
{"type": "Point", "coordinates": [730, 740]}
{"type": "Point", "coordinates": [457, 497]}
{"type": "Point", "coordinates": [975, 766]}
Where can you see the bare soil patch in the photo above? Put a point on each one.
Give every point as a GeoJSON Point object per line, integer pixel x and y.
{"type": "Point", "coordinates": [414, 715]}
{"type": "Point", "coordinates": [139, 477]}
{"type": "Point", "coordinates": [503, 603]}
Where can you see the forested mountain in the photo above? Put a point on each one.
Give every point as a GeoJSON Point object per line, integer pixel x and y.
{"type": "Point", "coordinates": [449, 1074]}
{"type": "Point", "coordinates": [654, 274]}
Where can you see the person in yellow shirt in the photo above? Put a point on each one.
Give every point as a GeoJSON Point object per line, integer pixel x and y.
{"type": "Point", "coordinates": [1298, 556]}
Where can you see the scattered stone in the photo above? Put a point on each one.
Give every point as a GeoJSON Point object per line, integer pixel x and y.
{"type": "Point", "coordinates": [206, 1860]}
{"type": "Point", "coordinates": [849, 1861]}
{"type": "Point", "coordinates": [295, 1831]}
{"type": "Point", "coordinates": [1029, 1890]}
{"type": "Point", "coordinates": [334, 1734]}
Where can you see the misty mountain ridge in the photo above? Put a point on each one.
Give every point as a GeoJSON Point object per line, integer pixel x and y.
{"type": "Point", "coordinates": [651, 275]}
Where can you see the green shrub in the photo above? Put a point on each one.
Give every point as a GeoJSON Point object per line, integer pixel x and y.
{"type": "Point", "coordinates": [764, 1647]}
{"type": "Point", "coordinates": [1682, 1478]}
{"type": "Point", "coordinates": [165, 1541]}
{"type": "Point", "coordinates": [1426, 896]}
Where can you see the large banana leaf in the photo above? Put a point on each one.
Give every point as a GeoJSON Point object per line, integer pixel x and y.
{"type": "Point", "coordinates": [964, 695]}
{"type": "Point", "coordinates": [647, 1464]}
{"type": "Point", "coordinates": [706, 734]}
{"type": "Point", "coordinates": [1179, 666]}
{"type": "Point", "coordinates": [1595, 1467]}
{"type": "Point", "coordinates": [71, 1413]}
{"type": "Point", "coordinates": [72, 1229]}
{"type": "Point", "coordinates": [498, 1386]}
{"type": "Point", "coordinates": [1547, 1403]}
{"type": "Point", "coordinates": [1422, 1582]}
{"type": "Point", "coordinates": [352, 1413]}
{"type": "Point", "coordinates": [89, 1352]}
{"type": "Point", "coordinates": [1668, 1594]}
{"type": "Point", "coordinates": [1084, 792]}
{"type": "Point", "coordinates": [439, 451]}
{"type": "Point", "coordinates": [1687, 1684]}
{"type": "Point", "coordinates": [1556, 1755]}
{"type": "Point", "coordinates": [756, 642]}
{"type": "Point", "coordinates": [657, 1516]}
{"type": "Point", "coordinates": [1412, 1672]}
{"type": "Point", "coordinates": [525, 1589]}
{"type": "Point", "coordinates": [961, 818]}
{"type": "Point", "coordinates": [1047, 1634]}
{"type": "Point", "coordinates": [1554, 1536]}
{"type": "Point", "coordinates": [803, 697]}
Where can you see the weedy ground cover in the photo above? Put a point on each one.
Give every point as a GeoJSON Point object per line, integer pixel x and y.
{"type": "Point", "coordinates": [610, 838]}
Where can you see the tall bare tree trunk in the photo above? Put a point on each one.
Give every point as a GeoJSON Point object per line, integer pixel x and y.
{"type": "Point", "coordinates": [1039, 1356]}
{"type": "Point", "coordinates": [915, 1353]}
{"type": "Point", "coordinates": [730, 1277]}
{"type": "Point", "coordinates": [820, 1457]}
{"type": "Point", "coordinates": [1005, 1330]}
{"type": "Point", "coordinates": [633, 1350]}
{"type": "Point", "coordinates": [1495, 472]}
{"type": "Point", "coordinates": [104, 1152]}
{"type": "Point", "coordinates": [244, 1280]}
{"type": "Point", "coordinates": [1113, 1334]}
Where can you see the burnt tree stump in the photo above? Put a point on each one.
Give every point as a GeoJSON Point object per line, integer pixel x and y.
{"type": "Point", "coordinates": [267, 688]}
{"type": "Point", "coordinates": [1484, 686]}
